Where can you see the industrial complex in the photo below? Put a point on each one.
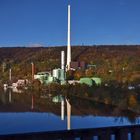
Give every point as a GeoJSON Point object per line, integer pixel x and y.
{"type": "Point", "coordinates": [59, 75]}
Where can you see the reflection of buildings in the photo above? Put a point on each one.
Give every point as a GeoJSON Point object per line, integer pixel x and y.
{"type": "Point", "coordinates": [6, 97]}
{"type": "Point", "coordinates": [16, 90]}
{"type": "Point", "coordinates": [62, 110]}
{"type": "Point", "coordinates": [3, 98]}
{"type": "Point", "coordinates": [10, 96]}
{"type": "Point", "coordinates": [13, 102]}
{"type": "Point", "coordinates": [32, 103]}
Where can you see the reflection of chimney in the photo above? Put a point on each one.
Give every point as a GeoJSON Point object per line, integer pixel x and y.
{"type": "Point", "coordinates": [32, 106]}
{"type": "Point", "coordinates": [10, 96]}
{"type": "Point", "coordinates": [62, 110]}
{"type": "Point", "coordinates": [68, 115]}
{"type": "Point", "coordinates": [62, 60]}
{"type": "Point", "coordinates": [68, 41]}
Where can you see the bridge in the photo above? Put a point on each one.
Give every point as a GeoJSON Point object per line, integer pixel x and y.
{"type": "Point", "coordinates": [131, 132]}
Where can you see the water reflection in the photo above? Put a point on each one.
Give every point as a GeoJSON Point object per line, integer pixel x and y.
{"type": "Point", "coordinates": [36, 122]}
{"type": "Point", "coordinates": [32, 105]}
{"type": "Point", "coordinates": [10, 96]}
{"type": "Point", "coordinates": [62, 110]}
{"type": "Point", "coordinates": [37, 112]}
{"type": "Point", "coordinates": [68, 115]}
{"type": "Point", "coordinates": [16, 90]}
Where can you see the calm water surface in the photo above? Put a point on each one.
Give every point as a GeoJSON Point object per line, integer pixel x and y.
{"type": "Point", "coordinates": [24, 112]}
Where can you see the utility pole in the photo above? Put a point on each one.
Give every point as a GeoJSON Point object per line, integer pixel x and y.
{"type": "Point", "coordinates": [3, 67]}
{"type": "Point", "coordinates": [10, 75]}
{"type": "Point", "coordinates": [33, 71]}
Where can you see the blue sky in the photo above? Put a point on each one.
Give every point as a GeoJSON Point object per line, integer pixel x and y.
{"type": "Point", "coordinates": [27, 22]}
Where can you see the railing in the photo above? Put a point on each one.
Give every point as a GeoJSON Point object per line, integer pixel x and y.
{"type": "Point", "coordinates": [106, 133]}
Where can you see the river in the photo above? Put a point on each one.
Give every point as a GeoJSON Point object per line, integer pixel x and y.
{"type": "Point", "coordinates": [23, 112]}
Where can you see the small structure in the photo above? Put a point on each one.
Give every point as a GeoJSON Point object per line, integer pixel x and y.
{"type": "Point", "coordinates": [60, 75]}
{"type": "Point", "coordinates": [74, 65]}
{"type": "Point", "coordinates": [87, 81]}
{"type": "Point", "coordinates": [97, 80]}
{"type": "Point", "coordinates": [57, 99]}
{"type": "Point", "coordinates": [44, 77]}
{"type": "Point", "coordinates": [20, 83]}
{"type": "Point", "coordinates": [90, 81]}
{"type": "Point", "coordinates": [91, 66]}
{"type": "Point", "coordinates": [14, 85]}
{"type": "Point", "coordinates": [131, 87]}
{"type": "Point", "coordinates": [5, 86]}
{"type": "Point", "coordinates": [73, 82]}
{"type": "Point", "coordinates": [77, 65]}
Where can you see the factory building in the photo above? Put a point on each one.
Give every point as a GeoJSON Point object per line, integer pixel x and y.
{"type": "Point", "coordinates": [74, 65]}
{"type": "Point", "coordinates": [90, 81]}
{"type": "Point", "coordinates": [59, 75]}
{"type": "Point", "coordinates": [44, 77]}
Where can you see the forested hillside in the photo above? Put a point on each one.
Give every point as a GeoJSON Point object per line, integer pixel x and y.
{"type": "Point", "coordinates": [121, 63]}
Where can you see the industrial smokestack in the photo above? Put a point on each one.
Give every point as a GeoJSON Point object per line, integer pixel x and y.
{"type": "Point", "coordinates": [62, 60]}
{"type": "Point", "coordinates": [68, 41]}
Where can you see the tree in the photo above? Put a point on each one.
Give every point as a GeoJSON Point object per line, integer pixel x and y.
{"type": "Point", "coordinates": [132, 101]}
{"type": "Point", "coordinates": [79, 74]}
{"type": "Point", "coordinates": [89, 72]}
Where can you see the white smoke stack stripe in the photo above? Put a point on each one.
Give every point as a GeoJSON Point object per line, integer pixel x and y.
{"type": "Point", "coordinates": [68, 43]}
{"type": "Point", "coordinates": [62, 60]}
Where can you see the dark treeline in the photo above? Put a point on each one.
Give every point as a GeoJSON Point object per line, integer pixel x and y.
{"type": "Point", "coordinates": [113, 62]}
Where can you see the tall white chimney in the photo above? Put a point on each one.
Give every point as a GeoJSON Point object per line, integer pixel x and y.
{"type": "Point", "coordinates": [68, 41]}
{"type": "Point", "coordinates": [62, 60]}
